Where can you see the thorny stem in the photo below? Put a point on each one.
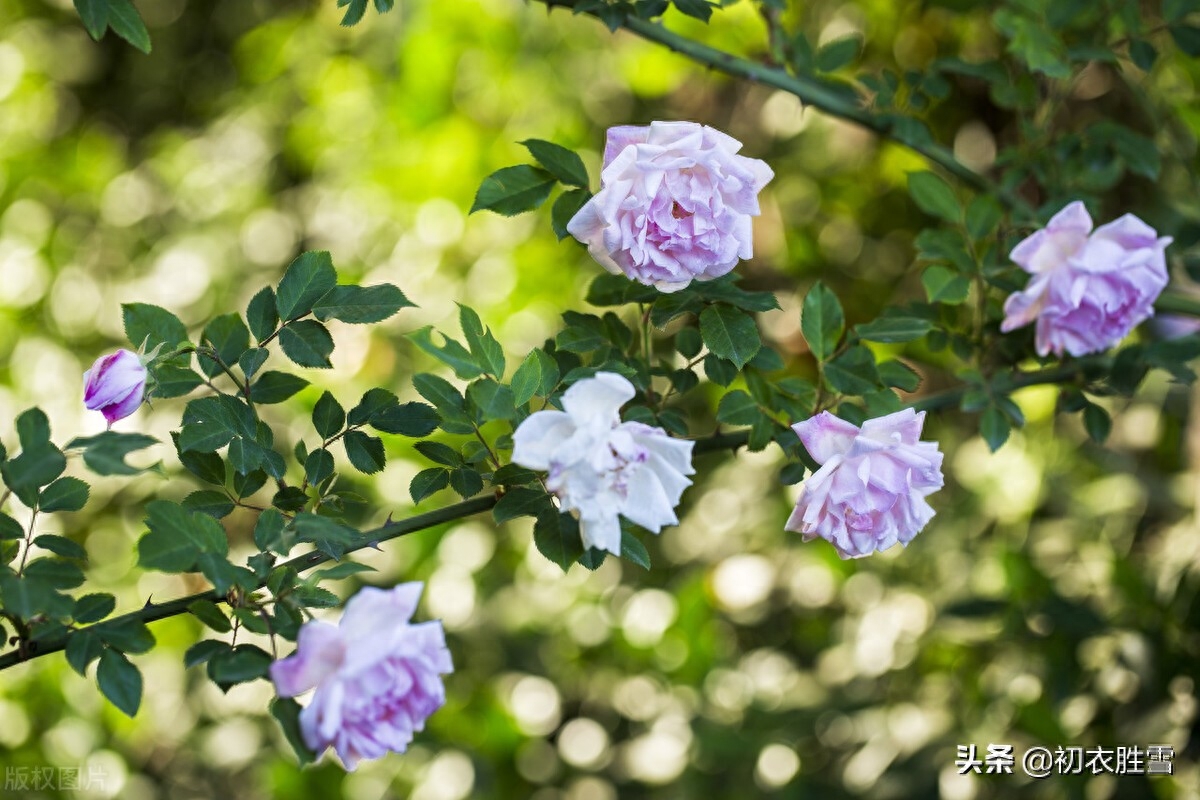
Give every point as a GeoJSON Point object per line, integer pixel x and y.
{"type": "Point", "coordinates": [1077, 370]}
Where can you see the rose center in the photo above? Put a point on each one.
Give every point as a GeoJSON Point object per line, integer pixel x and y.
{"type": "Point", "coordinates": [679, 212]}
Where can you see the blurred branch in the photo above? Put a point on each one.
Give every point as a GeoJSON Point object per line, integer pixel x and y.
{"type": "Point", "coordinates": [152, 612]}
{"type": "Point", "coordinates": [1177, 303]}
{"type": "Point", "coordinates": [816, 93]}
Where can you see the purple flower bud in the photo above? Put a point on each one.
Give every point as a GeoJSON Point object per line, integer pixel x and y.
{"type": "Point", "coordinates": [1089, 288]}
{"type": "Point", "coordinates": [377, 676]}
{"type": "Point", "coordinates": [675, 204]}
{"type": "Point", "coordinates": [115, 385]}
{"type": "Point", "coordinates": [870, 491]}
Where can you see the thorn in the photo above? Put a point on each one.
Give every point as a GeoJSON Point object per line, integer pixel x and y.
{"type": "Point", "coordinates": [375, 545]}
{"type": "Point", "coordinates": [149, 601]}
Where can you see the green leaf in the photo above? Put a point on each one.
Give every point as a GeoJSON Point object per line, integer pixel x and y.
{"type": "Point", "coordinates": [838, 53]}
{"type": "Point", "coordinates": [307, 343]}
{"type": "Point", "coordinates": [215, 504]}
{"type": "Point", "coordinates": [719, 370]}
{"type": "Point", "coordinates": [439, 453]}
{"type": "Point", "coordinates": [201, 652]}
{"type": "Point", "coordinates": [564, 210]}
{"type": "Point", "coordinates": [130, 636]}
{"type": "Point", "coordinates": [229, 336]}
{"type": "Point", "coordinates": [328, 417]}
{"type": "Point", "coordinates": [56, 573]}
{"type": "Point", "coordinates": [899, 375]}
{"type": "Point", "coordinates": [994, 428]}
{"type": "Point", "coordinates": [61, 546]}
{"type": "Point", "coordinates": [513, 190]}
{"type": "Point", "coordinates": [120, 681]}
{"type": "Point", "coordinates": [451, 353]}
{"type": "Point", "coordinates": [528, 378]}
{"type": "Point", "coordinates": [493, 400]}
{"type": "Point", "coordinates": [152, 325]}
{"type": "Point", "coordinates": [894, 329]}
{"type": "Point", "coordinates": [944, 285]}
{"type": "Point", "coordinates": [172, 380]}
{"type": "Point", "coordinates": [730, 333]}
{"type": "Point", "coordinates": [275, 387]}
{"type": "Point", "coordinates": [365, 452]}
{"type": "Point", "coordinates": [94, 14]}
{"type": "Point", "coordinates": [633, 550]}
{"type": "Point", "coordinates": [738, 408]}
{"type": "Point", "coordinates": [105, 452]}
{"type": "Point", "coordinates": [342, 570]}
{"type": "Point", "coordinates": [822, 321]}
{"type": "Point", "coordinates": [934, 196]}
{"type": "Point", "coordinates": [10, 529]}
{"type": "Point", "coordinates": [372, 403]}
{"type": "Point", "coordinates": [1097, 423]}
{"type": "Point", "coordinates": [262, 314]}
{"type": "Point", "coordinates": [853, 372]}
{"type": "Point", "coordinates": [428, 481]}
{"type": "Point", "coordinates": [318, 466]}
{"type": "Point", "coordinates": [522, 502]}
{"type": "Point", "coordinates": [269, 532]}
{"type": "Point", "coordinates": [243, 663]}
{"type": "Point", "coordinates": [563, 164]}
{"type": "Point", "coordinates": [407, 419]}
{"type": "Point", "coordinates": [1033, 42]}
{"type": "Point", "coordinates": [487, 351]}
{"type": "Point", "coordinates": [1187, 38]}
{"type": "Point", "coordinates": [466, 481]}
{"type": "Point", "coordinates": [361, 304]}
{"type": "Point", "coordinates": [556, 537]}
{"type": "Point", "coordinates": [1143, 54]}
{"type": "Point", "coordinates": [209, 423]}
{"type": "Point", "coordinates": [65, 494]}
{"type": "Point", "coordinates": [126, 22]}
{"type": "Point", "coordinates": [83, 647]}
{"type": "Point", "coordinates": [286, 711]}
{"type": "Point", "coordinates": [93, 607]}
{"type": "Point", "coordinates": [307, 279]}
{"type": "Point", "coordinates": [211, 615]}
{"type": "Point", "coordinates": [251, 360]}
{"type": "Point", "coordinates": [983, 214]}
{"type": "Point", "coordinates": [700, 9]}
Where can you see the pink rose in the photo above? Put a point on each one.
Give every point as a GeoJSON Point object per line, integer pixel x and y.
{"type": "Point", "coordinates": [675, 204]}
{"type": "Point", "coordinates": [115, 385]}
{"type": "Point", "coordinates": [870, 491]}
{"type": "Point", "coordinates": [377, 676]}
{"type": "Point", "coordinates": [1089, 288]}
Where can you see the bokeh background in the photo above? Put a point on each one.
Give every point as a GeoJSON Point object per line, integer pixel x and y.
{"type": "Point", "coordinates": [1052, 601]}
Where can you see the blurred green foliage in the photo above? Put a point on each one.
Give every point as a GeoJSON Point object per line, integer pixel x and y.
{"type": "Point", "coordinates": [1052, 601]}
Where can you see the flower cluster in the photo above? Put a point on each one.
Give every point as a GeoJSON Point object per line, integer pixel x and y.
{"type": "Point", "coordinates": [870, 491]}
{"type": "Point", "coordinates": [602, 468]}
{"type": "Point", "coordinates": [675, 204]}
{"type": "Point", "coordinates": [377, 676]}
{"type": "Point", "coordinates": [1089, 288]}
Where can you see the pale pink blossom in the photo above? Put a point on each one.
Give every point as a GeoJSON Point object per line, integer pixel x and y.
{"type": "Point", "coordinates": [377, 676]}
{"type": "Point", "coordinates": [1089, 288]}
{"type": "Point", "coordinates": [675, 204]}
{"type": "Point", "coordinates": [870, 491]}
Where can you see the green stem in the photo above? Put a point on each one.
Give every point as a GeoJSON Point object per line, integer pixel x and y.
{"type": "Point", "coordinates": [1177, 303]}
{"type": "Point", "coordinates": [152, 612]}
{"type": "Point", "coordinates": [816, 93]}
{"type": "Point", "coordinates": [214, 357]}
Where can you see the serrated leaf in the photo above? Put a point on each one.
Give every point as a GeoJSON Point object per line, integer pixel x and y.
{"type": "Point", "coordinates": [633, 551]}
{"type": "Point", "coordinates": [307, 343]}
{"type": "Point", "coordinates": [93, 607]}
{"type": "Point", "coordinates": [202, 651]}
{"type": "Point", "coordinates": [211, 615]}
{"type": "Point", "coordinates": [521, 502]}
{"type": "Point", "coordinates": [229, 337]}
{"type": "Point", "coordinates": [853, 372]}
{"type": "Point", "coordinates": [328, 416]}
{"type": "Point", "coordinates": [126, 22]}
{"type": "Point", "coordinates": [243, 663]}
{"type": "Point", "coordinates": [838, 53]}
{"type": "Point", "coordinates": [564, 210]}
{"type": "Point", "coordinates": [738, 408]}
{"type": "Point", "coordinates": [486, 350]}
{"type": "Point", "coordinates": [65, 494]}
{"type": "Point", "coordinates": [700, 9]}
{"type": "Point", "coordinates": [61, 546]}
{"type": "Point", "coordinates": [83, 647]}
{"type": "Point", "coordinates": [152, 325]}
{"type": "Point", "coordinates": [556, 537]}
{"type": "Point", "coordinates": [934, 196]}
{"type": "Point", "coordinates": [466, 481]}
{"type": "Point", "coordinates": [513, 190]}
{"type": "Point", "coordinates": [307, 279]}
{"type": "Point", "coordinates": [822, 321]}
{"type": "Point", "coordinates": [563, 164]}
{"type": "Point", "coordinates": [730, 333]}
{"type": "Point", "coordinates": [944, 285]}
{"type": "Point", "coordinates": [365, 452]}
{"type": "Point", "coordinates": [120, 681]}
{"type": "Point", "coordinates": [893, 329]}
{"type": "Point", "coordinates": [262, 315]}
{"type": "Point", "coordinates": [428, 481]}
{"type": "Point", "coordinates": [286, 712]}
{"type": "Point", "coordinates": [361, 304]}
{"type": "Point", "coordinates": [1097, 423]}
{"type": "Point", "coordinates": [275, 387]}
{"type": "Point", "coordinates": [94, 14]}
{"type": "Point", "coordinates": [994, 428]}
